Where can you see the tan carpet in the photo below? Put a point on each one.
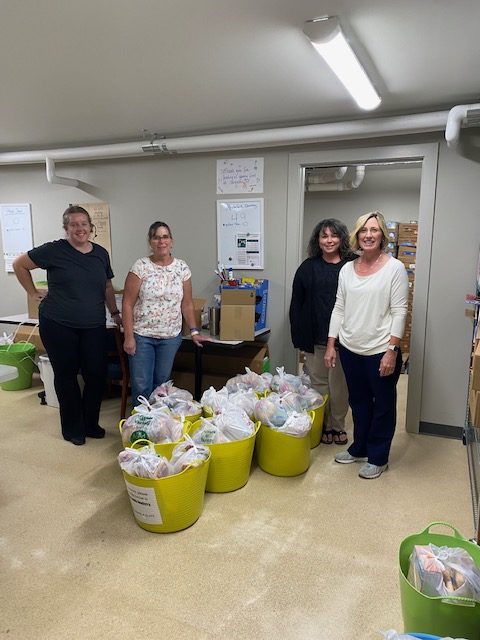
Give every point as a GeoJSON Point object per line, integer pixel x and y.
{"type": "Point", "coordinates": [283, 558]}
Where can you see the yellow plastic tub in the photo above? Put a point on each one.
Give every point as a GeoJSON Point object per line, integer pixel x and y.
{"type": "Point", "coordinates": [168, 504]}
{"type": "Point", "coordinates": [317, 423]}
{"type": "Point", "coordinates": [162, 448]}
{"type": "Point", "coordinates": [230, 462]}
{"type": "Point", "coordinates": [281, 454]}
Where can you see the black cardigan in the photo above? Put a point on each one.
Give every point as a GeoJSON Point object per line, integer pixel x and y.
{"type": "Point", "coordinates": [314, 292]}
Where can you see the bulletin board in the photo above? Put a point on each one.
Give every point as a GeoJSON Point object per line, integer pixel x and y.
{"type": "Point", "coordinates": [100, 216]}
{"type": "Point", "coordinates": [240, 233]}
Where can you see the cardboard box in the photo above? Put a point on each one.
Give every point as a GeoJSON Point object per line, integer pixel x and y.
{"type": "Point", "coordinates": [407, 232]}
{"type": "Point", "coordinates": [407, 253]}
{"type": "Point", "coordinates": [237, 313]}
{"type": "Point", "coordinates": [475, 378]}
{"type": "Point", "coordinates": [474, 407]}
{"type": "Point", "coordinates": [261, 299]}
{"type": "Point", "coordinates": [32, 303]}
{"type": "Point", "coordinates": [26, 333]}
{"type": "Point", "coordinates": [198, 304]}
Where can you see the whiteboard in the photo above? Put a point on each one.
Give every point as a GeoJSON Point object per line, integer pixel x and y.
{"type": "Point", "coordinates": [17, 236]}
{"type": "Point", "coordinates": [240, 235]}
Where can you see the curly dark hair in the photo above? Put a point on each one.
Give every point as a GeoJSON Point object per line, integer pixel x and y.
{"type": "Point", "coordinates": [338, 229]}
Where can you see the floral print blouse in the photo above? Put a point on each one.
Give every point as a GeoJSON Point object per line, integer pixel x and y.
{"type": "Point", "coordinates": [157, 312]}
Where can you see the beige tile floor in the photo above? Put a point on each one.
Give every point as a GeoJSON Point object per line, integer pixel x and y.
{"type": "Point", "coordinates": [312, 557]}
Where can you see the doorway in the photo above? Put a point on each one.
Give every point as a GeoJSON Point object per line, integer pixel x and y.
{"type": "Point", "coordinates": [424, 158]}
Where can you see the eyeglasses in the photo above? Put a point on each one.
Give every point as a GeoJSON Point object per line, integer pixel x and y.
{"type": "Point", "coordinates": [165, 237]}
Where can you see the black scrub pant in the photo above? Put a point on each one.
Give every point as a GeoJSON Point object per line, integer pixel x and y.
{"type": "Point", "coordinates": [72, 351]}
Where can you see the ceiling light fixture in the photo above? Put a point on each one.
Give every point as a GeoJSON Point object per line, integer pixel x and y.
{"type": "Point", "coordinates": [328, 39]}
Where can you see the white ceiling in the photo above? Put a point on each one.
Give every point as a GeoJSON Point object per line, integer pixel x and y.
{"type": "Point", "coordinates": [87, 71]}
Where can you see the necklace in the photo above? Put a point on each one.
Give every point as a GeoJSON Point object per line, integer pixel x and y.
{"type": "Point", "coordinates": [368, 267]}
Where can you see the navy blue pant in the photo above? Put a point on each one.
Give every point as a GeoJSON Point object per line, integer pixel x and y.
{"type": "Point", "coordinates": [373, 400]}
{"type": "Point", "coordinates": [71, 351]}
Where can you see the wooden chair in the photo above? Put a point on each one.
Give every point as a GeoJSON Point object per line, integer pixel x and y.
{"type": "Point", "coordinates": [118, 372]}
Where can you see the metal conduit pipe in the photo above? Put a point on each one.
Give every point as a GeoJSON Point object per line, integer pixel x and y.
{"type": "Point", "coordinates": [463, 115]}
{"type": "Point", "coordinates": [339, 185]}
{"type": "Point", "coordinates": [305, 134]}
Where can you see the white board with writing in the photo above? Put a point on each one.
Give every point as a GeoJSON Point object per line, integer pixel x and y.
{"type": "Point", "coordinates": [240, 235]}
{"type": "Point", "coordinates": [240, 175]}
{"type": "Point", "coordinates": [17, 237]}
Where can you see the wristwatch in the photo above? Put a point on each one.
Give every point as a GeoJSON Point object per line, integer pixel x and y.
{"type": "Point", "coordinates": [393, 347]}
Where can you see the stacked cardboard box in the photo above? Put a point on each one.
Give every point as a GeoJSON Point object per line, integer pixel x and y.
{"type": "Point", "coordinates": [243, 309]}
{"type": "Point", "coordinates": [474, 391]}
{"type": "Point", "coordinates": [407, 253]}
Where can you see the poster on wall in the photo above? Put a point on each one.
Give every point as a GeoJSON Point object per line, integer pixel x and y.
{"type": "Point", "coordinates": [17, 234]}
{"type": "Point", "coordinates": [240, 175]}
{"type": "Point", "coordinates": [240, 233]}
{"type": "Point", "coordinates": [100, 215]}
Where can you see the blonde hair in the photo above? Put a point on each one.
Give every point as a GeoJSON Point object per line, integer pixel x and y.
{"type": "Point", "coordinates": [361, 222]}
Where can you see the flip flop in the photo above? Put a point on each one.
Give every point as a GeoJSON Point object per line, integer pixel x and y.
{"type": "Point", "coordinates": [327, 437]}
{"type": "Point", "coordinates": [340, 437]}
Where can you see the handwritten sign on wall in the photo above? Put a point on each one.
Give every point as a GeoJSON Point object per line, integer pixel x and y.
{"type": "Point", "coordinates": [240, 175]}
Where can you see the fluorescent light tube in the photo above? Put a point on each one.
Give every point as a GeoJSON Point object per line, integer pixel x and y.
{"type": "Point", "coordinates": [327, 38]}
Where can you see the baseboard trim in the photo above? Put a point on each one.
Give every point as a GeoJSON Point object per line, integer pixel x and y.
{"type": "Point", "coordinates": [442, 430]}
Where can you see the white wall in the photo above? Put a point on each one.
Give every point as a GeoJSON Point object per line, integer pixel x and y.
{"type": "Point", "coordinates": [181, 190]}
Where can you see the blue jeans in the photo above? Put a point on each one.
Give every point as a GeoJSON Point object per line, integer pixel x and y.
{"type": "Point", "coordinates": [152, 363]}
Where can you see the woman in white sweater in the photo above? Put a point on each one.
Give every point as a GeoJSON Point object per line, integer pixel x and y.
{"type": "Point", "coordinates": [369, 319]}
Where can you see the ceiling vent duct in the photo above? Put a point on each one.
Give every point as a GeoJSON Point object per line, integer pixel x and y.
{"type": "Point", "coordinates": [463, 116]}
{"type": "Point", "coordinates": [334, 178]}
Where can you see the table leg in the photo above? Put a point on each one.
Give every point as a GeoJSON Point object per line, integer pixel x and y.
{"type": "Point", "coordinates": [198, 372]}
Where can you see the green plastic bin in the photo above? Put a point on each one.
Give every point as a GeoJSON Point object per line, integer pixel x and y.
{"type": "Point", "coordinates": [453, 616]}
{"type": "Point", "coordinates": [22, 356]}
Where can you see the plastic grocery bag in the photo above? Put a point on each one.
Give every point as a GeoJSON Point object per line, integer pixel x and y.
{"type": "Point", "coordinates": [391, 634]}
{"type": "Point", "coordinates": [444, 571]}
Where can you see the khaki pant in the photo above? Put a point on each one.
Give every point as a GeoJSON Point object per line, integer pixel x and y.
{"type": "Point", "coordinates": [331, 381]}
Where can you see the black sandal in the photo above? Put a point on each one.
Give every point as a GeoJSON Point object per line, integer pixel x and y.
{"type": "Point", "coordinates": [340, 437]}
{"type": "Point", "coordinates": [327, 437]}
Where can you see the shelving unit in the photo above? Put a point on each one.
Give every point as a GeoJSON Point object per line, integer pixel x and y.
{"type": "Point", "coordinates": [471, 432]}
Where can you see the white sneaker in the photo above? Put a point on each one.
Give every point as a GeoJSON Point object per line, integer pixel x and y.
{"type": "Point", "coordinates": [371, 471]}
{"type": "Point", "coordinates": [345, 458]}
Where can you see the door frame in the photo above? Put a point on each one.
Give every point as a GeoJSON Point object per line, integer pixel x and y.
{"type": "Point", "coordinates": [428, 155]}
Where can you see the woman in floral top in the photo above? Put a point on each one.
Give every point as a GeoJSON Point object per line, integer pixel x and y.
{"type": "Point", "coordinates": [157, 292]}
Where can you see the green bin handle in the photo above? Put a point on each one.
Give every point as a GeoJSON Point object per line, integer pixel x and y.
{"type": "Point", "coordinates": [457, 533]}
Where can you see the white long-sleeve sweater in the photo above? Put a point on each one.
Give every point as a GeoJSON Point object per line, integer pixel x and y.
{"type": "Point", "coordinates": [370, 309]}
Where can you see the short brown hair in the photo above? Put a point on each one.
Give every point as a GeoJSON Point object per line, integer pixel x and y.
{"type": "Point", "coordinates": [74, 208]}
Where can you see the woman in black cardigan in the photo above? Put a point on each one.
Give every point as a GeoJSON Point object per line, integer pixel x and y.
{"type": "Point", "coordinates": [313, 298]}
